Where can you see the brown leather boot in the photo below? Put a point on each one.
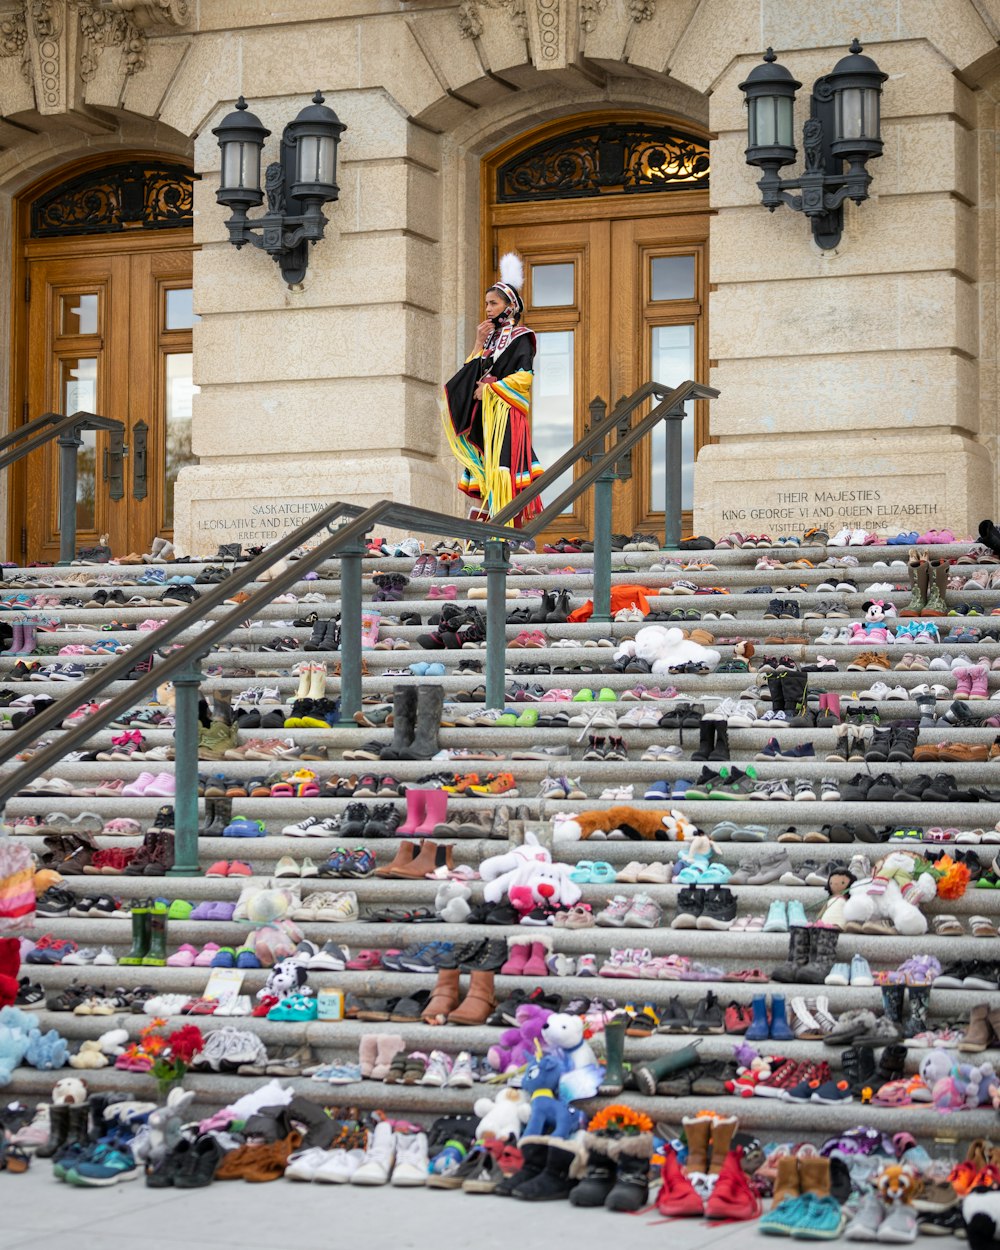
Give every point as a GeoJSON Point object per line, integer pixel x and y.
{"type": "Point", "coordinates": [162, 858]}
{"type": "Point", "coordinates": [404, 855]}
{"type": "Point", "coordinates": [431, 856]}
{"type": "Point", "coordinates": [479, 1003]}
{"type": "Point", "coordinates": [786, 1183]}
{"type": "Point", "coordinates": [723, 1131]}
{"type": "Point", "coordinates": [445, 997]}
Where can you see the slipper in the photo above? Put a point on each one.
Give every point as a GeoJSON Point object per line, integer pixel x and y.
{"type": "Point", "coordinates": [602, 873]}
{"type": "Point", "coordinates": [411, 1009]}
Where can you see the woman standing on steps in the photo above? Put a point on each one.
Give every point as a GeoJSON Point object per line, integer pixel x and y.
{"type": "Point", "coordinates": [488, 418]}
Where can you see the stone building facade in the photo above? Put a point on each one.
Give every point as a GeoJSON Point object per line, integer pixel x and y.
{"type": "Point", "coordinates": [858, 385]}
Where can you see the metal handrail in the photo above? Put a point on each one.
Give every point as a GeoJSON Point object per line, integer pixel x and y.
{"type": "Point", "coordinates": [344, 543]}
{"type": "Point", "coordinates": [43, 430]}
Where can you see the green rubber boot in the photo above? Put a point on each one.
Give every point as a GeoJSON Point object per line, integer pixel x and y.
{"type": "Point", "coordinates": [140, 935]}
{"type": "Point", "coordinates": [647, 1075]}
{"type": "Point", "coordinates": [156, 957]}
{"type": "Point", "coordinates": [614, 1048]}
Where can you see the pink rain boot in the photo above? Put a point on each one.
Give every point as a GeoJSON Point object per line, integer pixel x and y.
{"type": "Point", "coordinates": [27, 638]}
{"type": "Point", "coordinates": [416, 805]}
{"type": "Point", "coordinates": [17, 642]}
{"type": "Point", "coordinates": [435, 812]}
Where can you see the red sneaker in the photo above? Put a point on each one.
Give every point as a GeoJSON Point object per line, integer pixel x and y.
{"type": "Point", "coordinates": [677, 1196]}
{"type": "Point", "coordinates": [731, 1197]}
{"type": "Point", "coordinates": [738, 1018]}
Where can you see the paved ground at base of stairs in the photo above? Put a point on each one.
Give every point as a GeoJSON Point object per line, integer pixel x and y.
{"type": "Point", "coordinates": [40, 1213]}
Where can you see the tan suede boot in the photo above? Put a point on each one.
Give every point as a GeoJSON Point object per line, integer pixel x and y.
{"type": "Point", "coordinates": [723, 1131]}
{"type": "Point", "coordinates": [445, 997]}
{"type": "Point", "coordinates": [697, 1131]}
{"type": "Point", "coordinates": [432, 855]}
{"type": "Point", "coordinates": [478, 1004]}
{"type": "Point", "coordinates": [814, 1177]}
{"type": "Point", "coordinates": [786, 1184]}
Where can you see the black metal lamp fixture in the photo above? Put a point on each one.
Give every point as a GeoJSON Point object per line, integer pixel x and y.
{"type": "Point", "coordinates": [843, 128]}
{"type": "Point", "coordinates": [303, 179]}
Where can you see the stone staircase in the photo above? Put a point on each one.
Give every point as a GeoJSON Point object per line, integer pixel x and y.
{"type": "Point", "coordinates": [241, 664]}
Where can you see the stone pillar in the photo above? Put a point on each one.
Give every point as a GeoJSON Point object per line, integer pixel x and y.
{"type": "Point", "coordinates": [849, 378]}
{"type": "Point", "coordinates": [329, 392]}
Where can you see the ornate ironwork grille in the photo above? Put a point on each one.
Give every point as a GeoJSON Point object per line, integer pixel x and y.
{"type": "Point", "coordinates": [595, 160]}
{"type": "Point", "coordinates": [135, 195]}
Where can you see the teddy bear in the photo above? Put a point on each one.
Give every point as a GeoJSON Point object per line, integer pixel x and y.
{"type": "Point", "coordinates": [666, 648]}
{"type": "Point", "coordinates": [451, 902]}
{"type": "Point", "coordinates": [517, 1045]}
{"type": "Point", "coordinates": [503, 1116]}
{"type": "Point", "coordinates": [892, 892]}
{"type": "Point", "coordinates": [69, 1092]}
{"type": "Point", "coordinates": [635, 823]}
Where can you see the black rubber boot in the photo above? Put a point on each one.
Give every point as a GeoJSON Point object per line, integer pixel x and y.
{"type": "Point", "coordinates": [794, 688]}
{"type": "Point", "coordinates": [893, 997]}
{"type": "Point", "coordinates": [430, 704]}
{"type": "Point", "coordinates": [891, 1065]}
{"type": "Point", "coordinates": [917, 999]}
{"type": "Point", "coordinates": [614, 1049]}
{"type": "Point", "coordinates": [534, 1153]}
{"type": "Point", "coordinates": [78, 1133]}
{"type": "Point", "coordinates": [554, 1182]}
{"type": "Point", "coordinates": [222, 814]}
{"type": "Point", "coordinates": [777, 693]}
{"type": "Point", "coordinates": [858, 1065]}
{"type": "Point", "coordinates": [631, 1190]}
{"type": "Point", "coordinates": [822, 955]}
{"type": "Point", "coordinates": [602, 1172]}
{"type": "Point", "coordinates": [404, 723]}
{"type": "Point", "coordinates": [706, 740]}
{"type": "Point", "coordinates": [58, 1131]}
{"type": "Point", "coordinates": [721, 749]}
{"type": "Point", "coordinates": [798, 956]}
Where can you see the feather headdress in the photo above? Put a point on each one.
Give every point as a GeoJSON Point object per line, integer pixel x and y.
{"type": "Point", "coordinates": [512, 270]}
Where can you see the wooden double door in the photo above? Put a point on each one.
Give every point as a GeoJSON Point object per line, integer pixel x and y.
{"type": "Point", "coordinates": [108, 330]}
{"type": "Point", "coordinates": [616, 292]}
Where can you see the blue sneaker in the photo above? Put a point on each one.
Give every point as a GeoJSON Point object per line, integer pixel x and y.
{"type": "Point", "coordinates": [116, 1164]}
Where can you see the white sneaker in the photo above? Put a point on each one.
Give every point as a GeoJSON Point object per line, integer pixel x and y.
{"type": "Point", "coordinates": [462, 1076]}
{"type": "Point", "coordinates": [377, 1165]}
{"type": "Point", "coordinates": [339, 1167]}
{"type": "Point", "coordinates": [840, 539]}
{"type": "Point", "coordinates": [105, 958]}
{"type": "Point", "coordinates": [304, 1165]}
{"type": "Point", "coordinates": [438, 1070]}
{"type": "Point", "coordinates": [878, 692]}
{"type": "Point", "coordinates": [343, 909]}
{"type": "Point", "coordinates": [411, 1160]}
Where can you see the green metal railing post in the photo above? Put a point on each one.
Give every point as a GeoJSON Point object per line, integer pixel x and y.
{"type": "Point", "coordinates": [496, 562]}
{"type": "Point", "coordinates": [70, 443]}
{"type": "Point", "coordinates": [674, 502]}
{"type": "Point", "coordinates": [603, 500]}
{"type": "Point", "coordinates": [187, 683]}
{"type": "Point", "coordinates": [350, 630]}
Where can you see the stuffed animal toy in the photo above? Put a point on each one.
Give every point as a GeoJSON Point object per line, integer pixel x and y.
{"type": "Point", "coordinates": [14, 1043]}
{"type": "Point", "coordinates": [549, 1113]}
{"type": "Point", "coordinates": [69, 1092]}
{"type": "Point", "coordinates": [503, 1116]}
{"type": "Point", "coordinates": [541, 884]}
{"type": "Point", "coordinates": [502, 871]}
{"type": "Point", "coordinates": [285, 978]}
{"type": "Point", "coordinates": [666, 648]}
{"type": "Point", "coordinates": [981, 1213]}
{"type": "Point", "coordinates": [517, 1045]}
{"type": "Point", "coordinates": [894, 894]}
{"type": "Point", "coordinates": [896, 1182]}
{"type": "Point", "coordinates": [955, 1085]}
{"type": "Point", "coordinates": [163, 1128]}
{"type": "Point", "coordinates": [89, 1055]}
{"type": "Point", "coordinates": [634, 823]}
{"type": "Point", "coordinates": [564, 1033]}
{"type": "Point", "coordinates": [451, 902]}
{"type": "Point", "coordinates": [877, 610]}
{"type": "Point", "coordinates": [46, 1050]}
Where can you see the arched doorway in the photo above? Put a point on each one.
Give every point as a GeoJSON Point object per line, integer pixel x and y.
{"type": "Point", "coordinates": [105, 256]}
{"type": "Point", "coordinates": [610, 212]}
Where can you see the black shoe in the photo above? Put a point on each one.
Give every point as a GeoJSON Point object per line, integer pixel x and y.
{"type": "Point", "coordinates": [674, 1018]}
{"type": "Point", "coordinates": [719, 910]}
{"type": "Point", "coordinates": [708, 1016]}
{"type": "Point", "coordinates": [356, 816]}
{"type": "Point", "coordinates": [690, 905]}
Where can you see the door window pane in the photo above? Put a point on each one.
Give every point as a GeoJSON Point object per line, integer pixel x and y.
{"type": "Point", "coordinates": [78, 385]}
{"type": "Point", "coordinates": [673, 363]}
{"type": "Point", "coordinates": [79, 314]}
{"type": "Point", "coordinates": [180, 391]}
{"type": "Point", "coordinates": [180, 309]}
{"type": "Point", "coordinates": [552, 402]}
{"type": "Point", "coordinates": [672, 277]}
{"type": "Point", "coordinates": [552, 285]}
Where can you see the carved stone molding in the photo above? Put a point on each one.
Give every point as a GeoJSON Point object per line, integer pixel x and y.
{"type": "Point", "coordinates": [554, 28]}
{"type": "Point", "coordinates": [61, 42]}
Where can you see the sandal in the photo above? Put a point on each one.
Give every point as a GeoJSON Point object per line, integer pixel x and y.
{"type": "Point", "coordinates": [946, 925]}
{"type": "Point", "coordinates": [982, 926]}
